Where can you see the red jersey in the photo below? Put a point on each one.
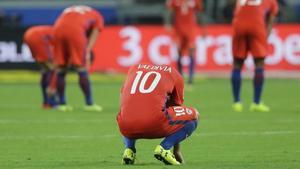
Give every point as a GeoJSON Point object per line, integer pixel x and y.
{"type": "Point", "coordinates": [39, 33]}
{"type": "Point", "coordinates": [146, 94]}
{"type": "Point", "coordinates": [185, 12]}
{"type": "Point", "coordinates": [253, 12]}
{"type": "Point", "coordinates": [40, 41]}
{"type": "Point", "coordinates": [80, 18]}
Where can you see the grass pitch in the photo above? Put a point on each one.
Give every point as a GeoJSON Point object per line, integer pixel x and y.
{"type": "Point", "coordinates": [32, 138]}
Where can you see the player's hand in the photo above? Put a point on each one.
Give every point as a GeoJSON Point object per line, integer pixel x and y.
{"type": "Point", "coordinates": [88, 60]}
{"type": "Point", "coordinates": [50, 91]}
{"type": "Point", "coordinates": [177, 153]}
{"type": "Point", "coordinates": [179, 157]}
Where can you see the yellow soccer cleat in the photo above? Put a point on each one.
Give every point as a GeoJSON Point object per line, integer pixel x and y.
{"type": "Point", "coordinates": [128, 157]}
{"type": "Point", "coordinates": [64, 108]}
{"type": "Point", "coordinates": [166, 156]}
{"type": "Point", "coordinates": [259, 107]}
{"type": "Point", "coordinates": [93, 107]}
{"type": "Point", "coordinates": [237, 107]}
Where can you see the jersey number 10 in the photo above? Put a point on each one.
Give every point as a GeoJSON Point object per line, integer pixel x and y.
{"type": "Point", "coordinates": [250, 2]}
{"type": "Point", "coordinates": [141, 80]}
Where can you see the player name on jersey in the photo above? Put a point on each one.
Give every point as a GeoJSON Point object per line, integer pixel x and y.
{"type": "Point", "coordinates": [164, 68]}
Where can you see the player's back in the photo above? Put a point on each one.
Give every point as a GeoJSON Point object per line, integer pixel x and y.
{"type": "Point", "coordinates": [144, 96]}
{"type": "Point", "coordinates": [39, 33]}
{"type": "Point", "coordinates": [253, 12]}
{"type": "Point", "coordinates": [79, 18]}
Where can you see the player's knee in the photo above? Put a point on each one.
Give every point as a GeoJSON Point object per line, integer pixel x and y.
{"type": "Point", "coordinates": [190, 127]}
{"type": "Point", "coordinates": [80, 69]}
{"type": "Point", "coordinates": [195, 114]}
{"type": "Point", "coordinates": [259, 62]}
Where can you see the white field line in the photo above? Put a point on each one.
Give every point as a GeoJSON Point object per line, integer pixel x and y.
{"type": "Point", "coordinates": [72, 120]}
{"type": "Point", "coordinates": [58, 121]}
{"type": "Point", "coordinates": [109, 136]}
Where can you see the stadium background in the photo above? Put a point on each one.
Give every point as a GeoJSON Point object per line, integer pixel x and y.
{"type": "Point", "coordinates": [33, 138]}
{"type": "Point", "coordinates": [134, 28]}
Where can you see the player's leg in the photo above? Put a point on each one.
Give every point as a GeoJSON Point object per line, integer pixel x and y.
{"type": "Point", "coordinates": [258, 83]}
{"type": "Point", "coordinates": [259, 50]}
{"type": "Point", "coordinates": [44, 83]}
{"type": "Point", "coordinates": [184, 121]}
{"type": "Point", "coordinates": [129, 152]}
{"type": "Point", "coordinates": [61, 72]}
{"type": "Point", "coordinates": [179, 59]}
{"type": "Point", "coordinates": [190, 43]}
{"type": "Point", "coordinates": [79, 56]}
{"type": "Point", "coordinates": [192, 65]}
{"type": "Point", "coordinates": [162, 151]}
{"type": "Point", "coordinates": [239, 50]}
{"type": "Point", "coordinates": [47, 74]}
{"type": "Point", "coordinates": [236, 83]}
{"type": "Point", "coordinates": [85, 86]}
{"type": "Point", "coordinates": [61, 60]}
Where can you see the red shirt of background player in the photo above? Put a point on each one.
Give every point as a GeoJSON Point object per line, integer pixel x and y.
{"type": "Point", "coordinates": [185, 21]}
{"type": "Point", "coordinates": [250, 29]}
{"type": "Point", "coordinates": [185, 13]}
{"type": "Point", "coordinates": [145, 96]}
{"type": "Point", "coordinates": [71, 32]}
{"type": "Point", "coordinates": [40, 41]}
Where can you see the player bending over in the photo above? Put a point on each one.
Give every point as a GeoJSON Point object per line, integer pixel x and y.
{"type": "Point", "coordinates": [151, 107]}
{"type": "Point", "coordinates": [250, 35]}
{"type": "Point", "coordinates": [40, 41]}
{"type": "Point", "coordinates": [75, 33]}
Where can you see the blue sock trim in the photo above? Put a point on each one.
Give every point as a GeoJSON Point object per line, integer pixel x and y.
{"type": "Point", "coordinates": [85, 85]}
{"type": "Point", "coordinates": [191, 69]}
{"type": "Point", "coordinates": [130, 143]}
{"type": "Point", "coordinates": [61, 84]}
{"type": "Point", "coordinates": [258, 83]}
{"type": "Point", "coordinates": [44, 84]}
{"type": "Point", "coordinates": [236, 82]}
{"type": "Point", "coordinates": [180, 135]}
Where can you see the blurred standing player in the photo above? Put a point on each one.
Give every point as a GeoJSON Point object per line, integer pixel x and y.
{"type": "Point", "coordinates": [151, 107]}
{"type": "Point", "coordinates": [40, 41]}
{"type": "Point", "coordinates": [185, 25]}
{"type": "Point", "coordinates": [252, 25]}
{"type": "Point", "coordinates": [75, 32]}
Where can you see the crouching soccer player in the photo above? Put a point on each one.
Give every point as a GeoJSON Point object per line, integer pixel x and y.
{"type": "Point", "coordinates": [151, 107]}
{"type": "Point", "coordinates": [40, 41]}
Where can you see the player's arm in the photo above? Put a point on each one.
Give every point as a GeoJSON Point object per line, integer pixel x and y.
{"type": "Point", "coordinates": [168, 15]}
{"type": "Point", "coordinates": [270, 22]}
{"type": "Point", "coordinates": [177, 96]}
{"type": "Point", "coordinates": [272, 16]}
{"type": "Point", "coordinates": [201, 17]}
{"type": "Point", "coordinates": [91, 42]}
{"type": "Point", "coordinates": [177, 153]}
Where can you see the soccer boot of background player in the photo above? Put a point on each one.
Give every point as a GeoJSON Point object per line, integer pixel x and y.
{"type": "Point", "coordinates": [259, 107]}
{"type": "Point", "coordinates": [128, 157]}
{"type": "Point", "coordinates": [93, 107]}
{"type": "Point", "coordinates": [237, 107]}
{"type": "Point", "coordinates": [64, 108]}
{"type": "Point", "coordinates": [166, 156]}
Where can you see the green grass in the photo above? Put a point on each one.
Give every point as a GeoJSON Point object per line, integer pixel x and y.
{"type": "Point", "coordinates": [32, 138]}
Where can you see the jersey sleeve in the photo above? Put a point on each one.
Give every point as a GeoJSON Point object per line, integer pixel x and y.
{"type": "Point", "coordinates": [274, 7]}
{"type": "Point", "coordinates": [99, 21]}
